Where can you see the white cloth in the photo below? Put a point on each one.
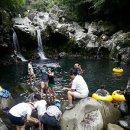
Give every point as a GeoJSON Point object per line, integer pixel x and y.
{"type": "Point", "coordinates": [41, 107]}
{"type": "Point", "coordinates": [79, 85]}
{"type": "Point", "coordinates": [30, 69]}
{"type": "Point", "coordinates": [54, 111]}
{"type": "Point", "coordinates": [21, 109]}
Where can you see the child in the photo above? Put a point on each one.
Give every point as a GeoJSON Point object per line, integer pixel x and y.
{"type": "Point", "coordinates": [51, 82]}
{"type": "Point", "coordinates": [102, 91]}
{"type": "Point", "coordinates": [78, 68]}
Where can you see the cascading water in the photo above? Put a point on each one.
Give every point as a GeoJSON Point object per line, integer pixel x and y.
{"type": "Point", "coordinates": [17, 47]}
{"type": "Point", "coordinates": [40, 48]}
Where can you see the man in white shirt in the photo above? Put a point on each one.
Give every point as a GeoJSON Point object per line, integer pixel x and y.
{"type": "Point", "coordinates": [51, 117]}
{"type": "Point", "coordinates": [21, 112]}
{"type": "Point", "coordinates": [79, 88]}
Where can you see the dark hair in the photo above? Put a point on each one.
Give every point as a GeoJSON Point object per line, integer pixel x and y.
{"type": "Point", "coordinates": [122, 89]}
{"type": "Point", "coordinates": [44, 66]}
{"type": "Point", "coordinates": [37, 96]}
{"type": "Point", "coordinates": [29, 60]}
{"type": "Point", "coordinates": [103, 86]}
{"type": "Point", "coordinates": [73, 72]}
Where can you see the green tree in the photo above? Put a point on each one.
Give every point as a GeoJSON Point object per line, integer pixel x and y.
{"type": "Point", "coordinates": [12, 5]}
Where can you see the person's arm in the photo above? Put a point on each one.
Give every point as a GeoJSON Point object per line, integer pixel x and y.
{"type": "Point", "coordinates": [68, 89]}
{"type": "Point", "coordinates": [51, 74]}
{"type": "Point", "coordinates": [32, 119]}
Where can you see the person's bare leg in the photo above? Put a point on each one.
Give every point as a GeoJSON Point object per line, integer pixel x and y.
{"type": "Point", "coordinates": [46, 88]}
{"type": "Point", "coordinates": [30, 79]}
{"type": "Point", "coordinates": [53, 92]}
{"type": "Point", "coordinates": [70, 97]}
{"type": "Point", "coordinates": [42, 87]}
{"type": "Point", "coordinates": [34, 79]}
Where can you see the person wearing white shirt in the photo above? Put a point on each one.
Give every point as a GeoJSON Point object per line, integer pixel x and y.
{"type": "Point", "coordinates": [31, 74]}
{"type": "Point", "coordinates": [79, 88]}
{"type": "Point", "coordinates": [21, 112]}
{"type": "Point", "coordinates": [40, 105]}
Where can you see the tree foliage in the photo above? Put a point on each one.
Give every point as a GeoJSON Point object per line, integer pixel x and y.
{"type": "Point", "coordinates": [111, 10]}
{"type": "Point", "coordinates": [12, 5]}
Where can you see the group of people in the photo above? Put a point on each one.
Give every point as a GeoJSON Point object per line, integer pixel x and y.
{"type": "Point", "coordinates": [47, 79]}
{"type": "Point", "coordinates": [48, 116]}
{"type": "Point", "coordinates": [78, 89]}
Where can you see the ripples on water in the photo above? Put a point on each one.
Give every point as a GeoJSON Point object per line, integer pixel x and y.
{"type": "Point", "coordinates": [96, 72]}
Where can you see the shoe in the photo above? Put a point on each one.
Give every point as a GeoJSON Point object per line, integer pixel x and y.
{"type": "Point", "coordinates": [69, 107]}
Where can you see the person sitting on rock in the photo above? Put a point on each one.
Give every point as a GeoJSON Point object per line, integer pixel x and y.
{"type": "Point", "coordinates": [79, 88]}
{"type": "Point", "coordinates": [21, 113]}
{"type": "Point", "coordinates": [102, 91]}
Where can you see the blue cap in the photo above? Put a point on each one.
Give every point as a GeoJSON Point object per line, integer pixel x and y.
{"type": "Point", "coordinates": [58, 105]}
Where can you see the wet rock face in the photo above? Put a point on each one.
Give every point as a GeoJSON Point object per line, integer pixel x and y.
{"type": "Point", "coordinates": [127, 95]}
{"type": "Point", "coordinates": [87, 38]}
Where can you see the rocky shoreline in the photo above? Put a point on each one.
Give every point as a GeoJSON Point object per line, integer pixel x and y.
{"type": "Point", "coordinates": [87, 114]}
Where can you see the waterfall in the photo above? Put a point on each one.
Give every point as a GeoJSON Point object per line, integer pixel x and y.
{"type": "Point", "coordinates": [17, 47]}
{"type": "Point", "coordinates": [40, 48]}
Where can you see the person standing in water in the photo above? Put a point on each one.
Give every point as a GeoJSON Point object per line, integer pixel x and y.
{"type": "Point", "coordinates": [44, 80]}
{"type": "Point", "coordinates": [51, 83]}
{"type": "Point", "coordinates": [102, 91]}
{"type": "Point", "coordinates": [31, 72]}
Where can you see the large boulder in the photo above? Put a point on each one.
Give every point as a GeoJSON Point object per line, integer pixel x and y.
{"type": "Point", "coordinates": [127, 95]}
{"type": "Point", "coordinates": [89, 114]}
